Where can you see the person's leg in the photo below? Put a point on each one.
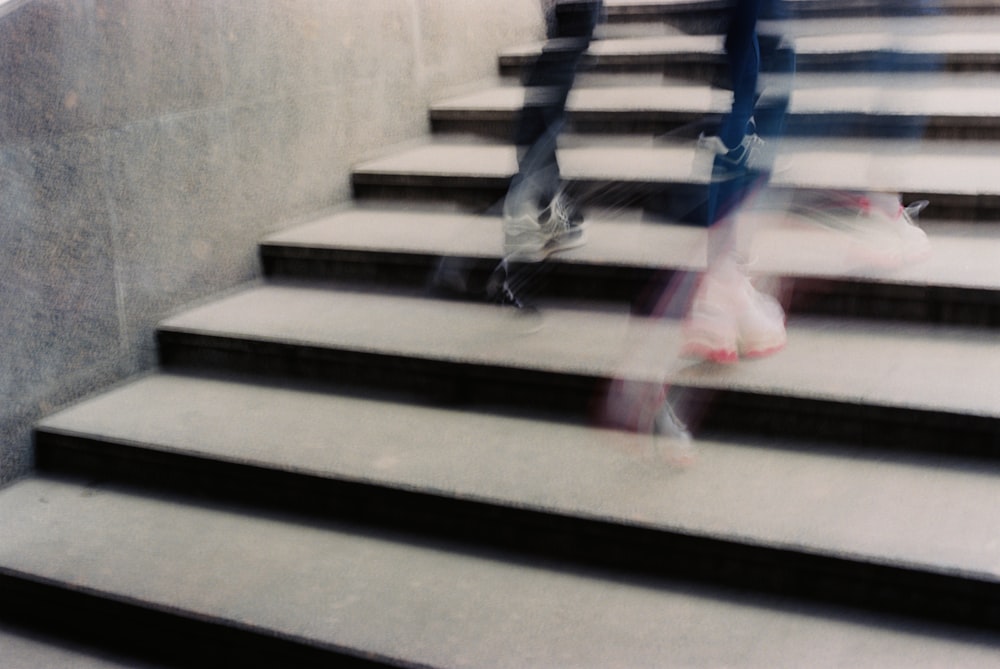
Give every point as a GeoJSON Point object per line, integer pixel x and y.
{"type": "Point", "coordinates": [732, 181]}
{"type": "Point", "coordinates": [728, 318]}
{"type": "Point", "coordinates": [530, 197]}
{"type": "Point", "coordinates": [743, 57]}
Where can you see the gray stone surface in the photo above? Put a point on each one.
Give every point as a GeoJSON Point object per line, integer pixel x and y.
{"type": "Point", "coordinates": [935, 35]}
{"type": "Point", "coordinates": [145, 147]}
{"type": "Point", "coordinates": [962, 255]}
{"type": "Point", "coordinates": [939, 167]}
{"type": "Point", "coordinates": [959, 95]}
{"type": "Point", "coordinates": [931, 513]}
{"type": "Point", "coordinates": [947, 369]}
{"type": "Point", "coordinates": [444, 608]}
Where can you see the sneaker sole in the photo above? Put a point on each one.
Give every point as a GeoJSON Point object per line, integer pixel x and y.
{"type": "Point", "coordinates": [700, 351]}
{"type": "Point", "coordinates": [763, 352]}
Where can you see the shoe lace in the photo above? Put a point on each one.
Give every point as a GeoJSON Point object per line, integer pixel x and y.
{"type": "Point", "coordinates": [560, 215]}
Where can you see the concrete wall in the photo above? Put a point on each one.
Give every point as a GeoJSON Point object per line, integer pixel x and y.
{"type": "Point", "coordinates": [145, 145]}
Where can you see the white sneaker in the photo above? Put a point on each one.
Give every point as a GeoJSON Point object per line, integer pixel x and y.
{"type": "Point", "coordinates": [534, 235]}
{"type": "Point", "coordinates": [730, 319]}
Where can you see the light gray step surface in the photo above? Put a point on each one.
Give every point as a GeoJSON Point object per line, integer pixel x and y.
{"type": "Point", "coordinates": [421, 603]}
{"type": "Point", "coordinates": [967, 98]}
{"type": "Point", "coordinates": [963, 255]}
{"type": "Point", "coordinates": [930, 514]}
{"type": "Point", "coordinates": [911, 367]}
{"type": "Point", "coordinates": [940, 169]}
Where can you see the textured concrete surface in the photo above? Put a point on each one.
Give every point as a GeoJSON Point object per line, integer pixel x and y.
{"type": "Point", "coordinates": [444, 608]}
{"type": "Point", "coordinates": [861, 362]}
{"type": "Point", "coordinates": [146, 146]}
{"type": "Point", "coordinates": [939, 167]}
{"type": "Point", "coordinates": [962, 255]}
{"type": "Point", "coordinates": [966, 96]}
{"type": "Point", "coordinates": [829, 501]}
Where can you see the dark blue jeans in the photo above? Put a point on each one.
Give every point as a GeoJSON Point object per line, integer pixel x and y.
{"type": "Point", "coordinates": [747, 55]}
{"type": "Point", "coordinates": [548, 84]}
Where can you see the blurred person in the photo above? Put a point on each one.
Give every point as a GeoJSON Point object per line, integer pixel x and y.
{"type": "Point", "coordinates": [883, 231]}
{"type": "Point", "coordinates": [539, 217]}
{"type": "Point", "coordinates": [729, 318]}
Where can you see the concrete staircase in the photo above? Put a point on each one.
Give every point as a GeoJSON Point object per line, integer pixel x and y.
{"type": "Point", "coordinates": [339, 466]}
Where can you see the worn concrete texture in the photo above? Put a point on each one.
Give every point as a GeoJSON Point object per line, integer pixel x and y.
{"type": "Point", "coordinates": [145, 146]}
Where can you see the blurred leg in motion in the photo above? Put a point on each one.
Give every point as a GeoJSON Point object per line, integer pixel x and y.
{"type": "Point", "coordinates": [729, 318]}
{"type": "Point", "coordinates": [539, 217]}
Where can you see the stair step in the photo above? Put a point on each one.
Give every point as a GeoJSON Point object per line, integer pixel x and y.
{"type": "Point", "coordinates": [316, 588]}
{"type": "Point", "coordinates": [891, 384]}
{"type": "Point", "coordinates": [959, 178]}
{"type": "Point", "coordinates": [932, 43]}
{"type": "Point", "coordinates": [626, 257]}
{"type": "Point", "coordinates": [518, 481]}
{"type": "Point", "coordinates": [922, 106]}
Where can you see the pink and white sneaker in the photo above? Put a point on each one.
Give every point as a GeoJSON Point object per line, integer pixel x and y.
{"type": "Point", "coordinates": [730, 319]}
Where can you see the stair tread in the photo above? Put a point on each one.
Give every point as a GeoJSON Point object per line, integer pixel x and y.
{"type": "Point", "coordinates": [324, 586]}
{"type": "Point", "coordinates": [828, 501]}
{"type": "Point", "coordinates": [935, 168]}
{"type": "Point", "coordinates": [893, 95]}
{"type": "Point", "coordinates": [911, 366]}
{"type": "Point", "coordinates": [963, 255]}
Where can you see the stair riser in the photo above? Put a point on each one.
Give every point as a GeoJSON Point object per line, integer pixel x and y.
{"type": "Point", "coordinates": [797, 125]}
{"type": "Point", "coordinates": [702, 23]}
{"type": "Point", "coordinates": [551, 279]}
{"type": "Point", "coordinates": [580, 397]}
{"type": "Point", "coordinates": [485, 194]}
{"type": "Point", "coordinates": [440, 381]}
{"type": "Point", "coordinates": [154, 636]}
{"type": "Point", "coordinates": [639, 551]}
{"type": "Point", "coordinates": [636, 287]}
{"type": "Point", "coordinates": [447, 191]}
{"type": "Point", "coordinates": [712, 68]}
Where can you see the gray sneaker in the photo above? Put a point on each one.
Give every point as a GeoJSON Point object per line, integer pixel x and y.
{"type": "Point", "coordinates": [533, 236]}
